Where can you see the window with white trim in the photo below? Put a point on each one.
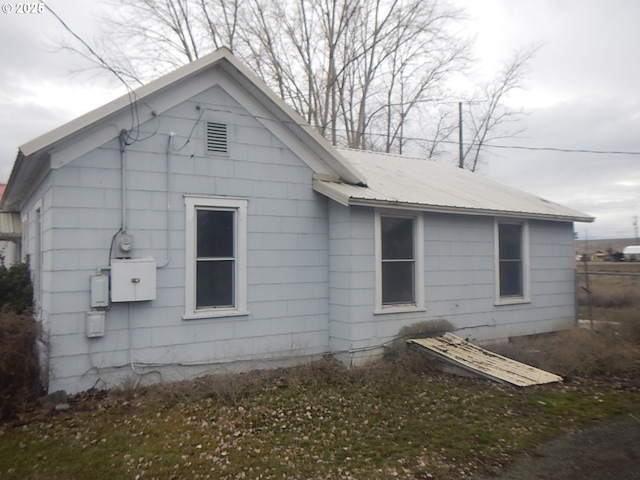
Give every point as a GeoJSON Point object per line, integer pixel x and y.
{"type": "Point", "coordinates": [512, 262]}
{"type": "Point", "coordinates": [216, 252]}
{"type": "Point", "coordinates": [399, 262]}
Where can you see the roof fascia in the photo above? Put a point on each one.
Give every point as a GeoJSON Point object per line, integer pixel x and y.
{"type": "Point", "coordinates": [111, 108]}
{"type": "Point", "coordinates": [467, 211]}
{"type": "Point", "coordinates": [101, 125]}
{"type": "Point", "coordinates": [322, 186]}
{"type": "Point", "coordinates": [109, 127]}
{"type": "Point", "coordinates": [26, 176]}
{"type": "Point", "coordinates": [325, 187]}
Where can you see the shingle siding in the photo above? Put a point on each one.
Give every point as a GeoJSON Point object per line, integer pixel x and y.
{"type": "Point", "coordinates": [287, 250]}
{"type": "Point", "coordinates": [311, 262]}
{"type": "Point", "coordinates": [459, 266]}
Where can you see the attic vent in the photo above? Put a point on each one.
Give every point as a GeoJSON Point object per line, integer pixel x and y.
{"type": "Point", "coordinates": [216, 137]}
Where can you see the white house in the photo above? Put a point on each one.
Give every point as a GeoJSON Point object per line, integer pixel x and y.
{"type": "Point", "coordinates": [201, 224]}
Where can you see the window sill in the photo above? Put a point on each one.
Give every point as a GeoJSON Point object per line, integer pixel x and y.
{"type": "Point", "coordinates": [511, 301]}
{"type": "Point", "coordinates": [399, 309]}
{"type": "Point", "coordinates": [206, 314]}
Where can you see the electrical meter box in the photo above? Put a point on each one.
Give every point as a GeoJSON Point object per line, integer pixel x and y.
{"type": "Point", "coordinates": [95, 323]}
{"type": "Point", "coordinates": [133, 280]}
{"type": "Point", "coordinates": [99, 291]}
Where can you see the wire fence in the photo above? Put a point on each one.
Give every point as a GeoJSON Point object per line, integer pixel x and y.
{"type": "Point", "coordinates": [608, 291]}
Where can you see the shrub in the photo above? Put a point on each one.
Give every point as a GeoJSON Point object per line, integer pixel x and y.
{"type": "Point", "coordinates": [398, 352]}
{"type": "Point", "coordinates": [19, 367]}
{"type": "Point", "coordinates": [16, 291]}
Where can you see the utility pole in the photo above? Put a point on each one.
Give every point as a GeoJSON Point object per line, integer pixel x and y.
{"type": "Point", "coordinates": [461, 154]}
{"type": "Point", "coordinates": [635, 227]}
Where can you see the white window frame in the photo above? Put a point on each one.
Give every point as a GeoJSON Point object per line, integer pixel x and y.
{"type": "Point", "coordinates": [418, 245]}
{"type": "Point", "coordinates": [525, 297]}
{"type": "Point", "coordinates": [239, 206]}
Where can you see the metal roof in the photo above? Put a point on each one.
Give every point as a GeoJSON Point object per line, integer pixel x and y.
{"type": "Point", "coordinates": [420, 184]}
{"type": "Point", "coordinates": [457, 351]}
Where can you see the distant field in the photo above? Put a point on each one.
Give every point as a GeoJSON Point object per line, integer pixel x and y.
{"type": "Point", "coordinates": [615, 244]}
{"type": "Point", "coordinates": [617, 267]}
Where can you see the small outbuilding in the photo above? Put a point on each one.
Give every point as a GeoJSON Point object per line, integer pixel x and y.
{"type": "Point", "coordinates": [200, 224]}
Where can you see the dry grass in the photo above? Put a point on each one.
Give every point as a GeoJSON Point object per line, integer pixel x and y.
{"type": "Point", "coordinates": [614, 299]}
{"type": "Point", "coordinates": [576, 352]}
{"type": "Point", "coordinates": [318, 421]}
{"type": "Point", "coordinates": [611, 348]}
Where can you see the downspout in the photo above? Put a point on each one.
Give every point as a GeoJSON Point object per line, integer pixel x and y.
{"type": "Point", "coordinates": [123, 181]}
{"type": "Point", "coordinates": [168, 213]}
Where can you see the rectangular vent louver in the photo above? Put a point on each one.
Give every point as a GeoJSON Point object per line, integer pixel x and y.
{"type": "Point", "coordinates": [216, 137]}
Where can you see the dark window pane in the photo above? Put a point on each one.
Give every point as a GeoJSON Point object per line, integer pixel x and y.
{"type": "Point", "coordinates": [397, 238]}
{"type": "Point", "coordinates": [215, 280]}
{"type": "Point", "coordinates": [215, 234]}
{"type": "Point", "coordinates": [510, 241]}
{"type": "Point", "coordinates": [397, 282]}
{"type": "Point", "coordinates": [511, 279]}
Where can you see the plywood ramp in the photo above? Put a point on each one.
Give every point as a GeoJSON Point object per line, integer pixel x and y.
{"type": "Point", "coordinates": [457, 351]}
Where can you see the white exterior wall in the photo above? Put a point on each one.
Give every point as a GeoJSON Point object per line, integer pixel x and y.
{"type": "Point", "coordinates": [310, 261]}
{"type": "Point", "coordinates": [460, 286]}
{"type": "Point", "coordinates": [287, 251]}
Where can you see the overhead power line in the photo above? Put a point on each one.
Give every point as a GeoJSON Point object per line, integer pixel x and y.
{"type": "Point", "coordinates": [134, 114]}
{"type": "Point", "coordinates": [564, 150]}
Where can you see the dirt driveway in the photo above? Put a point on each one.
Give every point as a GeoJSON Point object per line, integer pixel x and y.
{"type": "Point", "coordinates": [600, 452]}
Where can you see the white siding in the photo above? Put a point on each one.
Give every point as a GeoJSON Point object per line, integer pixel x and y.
{"type": "Point", "coordinates": [310, 262]}
{"type": "Point", "coordinates": [287, 251]}
{"type": "Point", "coordinates": [459, 282]}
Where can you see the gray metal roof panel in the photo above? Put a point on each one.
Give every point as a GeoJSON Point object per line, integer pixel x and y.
{"type": "Point", "coordinates": [399, 181]}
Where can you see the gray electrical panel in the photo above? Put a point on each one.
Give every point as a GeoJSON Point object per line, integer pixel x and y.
{"type": "Point", "coordinates": [133, 280]}
{"type": "Point", "coordinates": [99, 291]}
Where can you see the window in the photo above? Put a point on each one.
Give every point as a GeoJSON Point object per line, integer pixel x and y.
{"type": "Point", "coordinates": [399, 262]}
{"type": "Point", "coordinates": [216, 257]}
{"type": "Point", "coordinates": [512, 262]}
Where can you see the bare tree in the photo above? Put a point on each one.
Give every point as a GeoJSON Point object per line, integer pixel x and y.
{"type": "Point", "coordinates": [360, 71]}
{"type": "Point", "coordinates": [367, 74]}
{"type": "Point", "coordinates": [488, 113]}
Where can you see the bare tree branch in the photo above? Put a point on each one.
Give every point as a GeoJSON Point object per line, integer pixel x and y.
{"type": "Point", "coordinates": [490, 115]}
{"type": "Point", "coordinates": [364, 73]}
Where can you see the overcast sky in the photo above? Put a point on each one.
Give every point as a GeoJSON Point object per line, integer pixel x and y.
{"type": "Point", "coordinates": [584, 94]}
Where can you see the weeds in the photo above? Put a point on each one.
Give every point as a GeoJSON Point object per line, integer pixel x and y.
{"type": "Point", "coordinates": [575, 352]}
{"type": "Point", "coordinates": [19, 368]}
{"type": "Point", "coordinates": [316, 421]}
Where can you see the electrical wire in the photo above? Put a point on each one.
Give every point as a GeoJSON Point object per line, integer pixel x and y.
{"type": "Point", "coordinates": [133, 99]}
{"type": "Point", "coordinates": [135, 118]}
{"type": "Point", "coordinates": [415, 139]}
{"type": "Point", "coordinates": [176, 149]}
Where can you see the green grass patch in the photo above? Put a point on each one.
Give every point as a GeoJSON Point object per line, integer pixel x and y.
{"type": "Point", "coordinates": [380, 422]}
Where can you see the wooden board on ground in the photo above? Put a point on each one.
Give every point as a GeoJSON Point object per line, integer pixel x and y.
{"type": "Point", "coordinates": [454, 350]}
